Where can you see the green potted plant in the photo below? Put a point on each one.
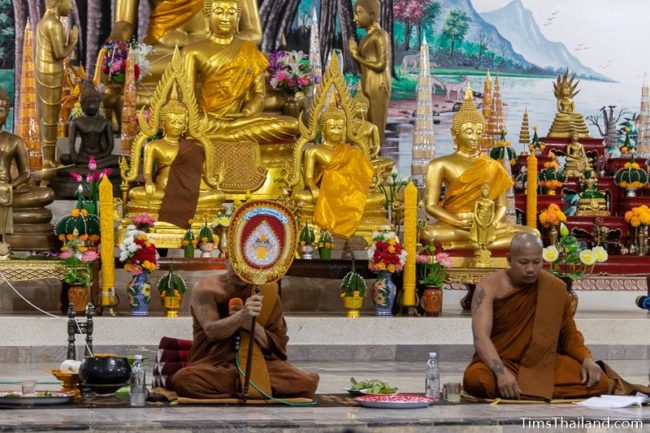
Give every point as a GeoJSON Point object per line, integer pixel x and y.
{"type": "Point", "coordinates": [172, 288]}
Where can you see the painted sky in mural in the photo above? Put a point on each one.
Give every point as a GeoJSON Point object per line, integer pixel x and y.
{"type": "Point", "coordinates": [607, 36]}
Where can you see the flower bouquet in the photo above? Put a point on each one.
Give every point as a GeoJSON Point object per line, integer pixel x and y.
{"type": "Point", "coordinates": [569, 259]}
{"type": "Point", "coordinates": [140, 257]}
{"type": "Point", "coordinates": [386, 256]}
{"type": "Point", "coordinates": [551, 177]}
{"type": "Point", "coordinates": [77, 271]}
{"type": "Point", "coordinates": [639, 218]}
{"type": "Point", "coordinates": [290, 71]}
{"type": "Point", "coordinates": [432, 267]}
{"type": "Point", "coordinates": [550, 218]}
{"type": "Point", "coordinates": [114, 64]}
{"type": "Point", "coordinates": [143, 221]}
{"type": "Point", "coordinates": [325, 245]}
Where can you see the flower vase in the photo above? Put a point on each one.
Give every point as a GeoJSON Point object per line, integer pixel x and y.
{"type": "Point", "coordinates": [139, 291]}
{"type": "Point", "coordinates": [383, 294]}
{"type": "Point", "coordinates": [431, 301]}
{"type": "Point", "coordinates": [206, 249]}
{"type": "Point", "coordinates": [307, 252]}
{"type": "Point", "coordinates": [353, 305]}
{"type": "Point", "coordinates": [172, 304]}
{"type": "Point", "coordinates": [78, 296]}
{"type": "Point", "coordinates": [552, 235]}
{"type": "Point", "coordinates": [291, 107]}
{"type": "Point", "coordinates": [641, 239]}
{"type": "Point", "coordinates": [325, 253]}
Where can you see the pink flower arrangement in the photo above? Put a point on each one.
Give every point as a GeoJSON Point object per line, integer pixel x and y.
{"type": "Point", "coordinates": [114, 64]}
{"type": "Point", "coordinates": [143, 221]}
{"type": "Point", "coordinates": [76, 261]}
{"type": "Point", "coordinates": [433, 267]}
{"type": "Point", "coordinates": [290, 71]}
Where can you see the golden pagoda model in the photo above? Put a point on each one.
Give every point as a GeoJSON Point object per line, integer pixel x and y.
{"type": "Point", "coordinates": [424, 148]}
{"type": "Point", "coordinates": [566, 119]}
{"type": "Point", "coordinates": [487, 140]}
{"type": "Point", "coordinates": [524, 132]}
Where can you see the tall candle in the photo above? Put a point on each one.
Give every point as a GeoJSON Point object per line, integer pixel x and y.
{"type": "Point", "coordinates": [410, 240]}
{"type": "Point", "coordinates": [107, 239]}
{"type": "Point", "coordinates": [531, 191]}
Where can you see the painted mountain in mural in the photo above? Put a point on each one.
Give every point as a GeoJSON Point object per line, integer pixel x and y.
{"type": "Point", "coordinates": [479, 27]}
{"type": "Point", "coordinates": [518, 25]}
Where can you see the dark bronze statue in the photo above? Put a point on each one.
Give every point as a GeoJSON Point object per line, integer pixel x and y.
{"type": "Point", "coordinates": [95, 133]}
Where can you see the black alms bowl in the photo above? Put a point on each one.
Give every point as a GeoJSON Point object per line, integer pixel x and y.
{"type": "Point", "coordinates": [104, 374]}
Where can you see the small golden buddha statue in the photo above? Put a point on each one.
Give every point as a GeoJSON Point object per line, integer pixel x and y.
{"type": "Point", "coordinates": [592, 202]}
{"type": "Point", "coordinates": [175, 23]}
{"type": "Point", "coordinates": [566, 119]}
{"type": "Point", "coordinates": [482, 231]}
{"type": "Point", "coordinates": [52, 47]}
{"type": "Point", "coordinates": [372, 56]}
{"type": "Point", "coordinates": [228, 75]}
{"type": "Point", "coordinates": [577, 161]}
{"type": "Point", "coordinates": [369, 137]}
{"type": "Point", "coordinates": [463, 173]}
{"type": "Point", "coordinates": [31, 218]}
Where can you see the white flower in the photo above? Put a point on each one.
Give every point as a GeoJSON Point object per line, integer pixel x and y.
{"type": "Point", "coordinates": [601, 254]}
{"type": "Point", "coordinates": [550, 254]}
{"type": "Point", "coordinates": [587, 257]}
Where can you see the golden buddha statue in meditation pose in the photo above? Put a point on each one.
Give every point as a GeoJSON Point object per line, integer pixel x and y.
{"type": "Point", "coordinates": [180, 181]}
{"type": "Point", "coordinates": [331, 180]}
{"type": "Point", "coordinates": [566, 119]}
{"type": "Point", "coordinates": [463, 173]}
{"type": "Point", "coordinates": [577, 162]}
{"type": "Point", "coordinates": [175, 23]}
{"type": "Point", "coordinates": [228, 75]}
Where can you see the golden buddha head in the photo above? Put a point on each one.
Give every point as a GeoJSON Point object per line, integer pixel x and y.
{"type": "Point", "coordinates": [366, 12]}
{"type": "Point", "coordinates": [467, 125]}
{"type": "Point", "coordinates": [174, 117]}
{"type": "Point", "coordinates": [223, 16]}
{"type": "Point", "coordinates": [332, 124]}
{"type": "Point", "coordinates": [360, 105]}
{"type": "Point", "coordinates": [62, 7]}
{"type": "Point", "coordinates": [5, 105]}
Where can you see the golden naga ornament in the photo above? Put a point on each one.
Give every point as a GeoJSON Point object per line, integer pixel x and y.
{"type": "Point", "coordinates": [566, 119]}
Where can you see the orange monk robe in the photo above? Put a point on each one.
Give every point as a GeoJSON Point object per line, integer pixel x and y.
{"type": "Point", "coordinates": [343, 191]}
{"type": "Point", "coordinates": [212, 373]}
{"type": "Point", "coordinates": [537, 340]}
{"type": "Point", "coordinates": [170, 15]}
{"type": "Point", "coordinates": [466, 189]}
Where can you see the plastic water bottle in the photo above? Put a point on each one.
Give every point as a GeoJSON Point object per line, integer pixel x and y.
{"type": "Point", "coordinates": [138, 383]}
{"type": "Point", "coordinates": [432, 385]}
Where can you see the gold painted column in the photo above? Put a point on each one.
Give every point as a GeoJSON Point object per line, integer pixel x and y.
{"type": "Point", "coordinates": [531, 191]}
{"type": "Point", "coordinates": [410, 241]}
{"type": "Point", "coordinates": [107, 245]}
{"type": "Point", "coordinates": [129, 126]}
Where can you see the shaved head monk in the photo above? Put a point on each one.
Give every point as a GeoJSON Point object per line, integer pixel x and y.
{"type": "Point", "coordinates": [222, 308]}
{"type": "Point", "coordinates": [527, 345]}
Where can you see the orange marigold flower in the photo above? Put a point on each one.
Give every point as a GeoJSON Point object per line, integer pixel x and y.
{"type": "Point", "coordinates": [75, 213]}
{"type": "Point", "coordinates": [84, 212]}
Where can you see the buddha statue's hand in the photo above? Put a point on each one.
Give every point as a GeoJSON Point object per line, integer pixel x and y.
{"type": "Point", "coordinates": [315, 192]}
{"type": "Point", "coordinates": [74, 35]}
{"type": "Point", "coordinates": [232, 116]}
{"type": "Point", "coordinates": [122, 31]}
{"type": "Point", "coordinates": [149, 188]}
{"type": "Point", "coordinates": [353, 47]}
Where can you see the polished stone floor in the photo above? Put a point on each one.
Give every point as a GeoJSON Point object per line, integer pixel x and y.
{"type": "Point", "coordinates": [335, 375]}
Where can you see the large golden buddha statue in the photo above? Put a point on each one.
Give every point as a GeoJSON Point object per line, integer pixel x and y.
{"type": "Point", "coordinates": [463, 173]}
{"type": "Point", "coordinates": [180, 181]}
{"type": "Point", "coordinates": [566, 119]}
{"type": "Point", "coordinates": [228, 75]}
{"type": "Point", "coordinates": [175, 23]}
{"type": "Point", "coordinates": [331, 180]}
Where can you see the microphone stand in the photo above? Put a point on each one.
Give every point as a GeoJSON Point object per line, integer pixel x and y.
{"type": "Point", "coordinates": [249, 355]}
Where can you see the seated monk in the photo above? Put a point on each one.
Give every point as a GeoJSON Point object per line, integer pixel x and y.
{"type": "Point", "coordinates": [463, 173]}
{"type": "Point", "coordinates": [217, 322]}
{"type": "Point", "coordinates": [176, 190]}
{"type": "Point", "coordinates": [95, 132]}
{"type": "Point", "coordinates": [228, 75]}
{"type": "Point", "coordinates": [526, 341]}
{"type": "Point", "coordinates": [337, 178]}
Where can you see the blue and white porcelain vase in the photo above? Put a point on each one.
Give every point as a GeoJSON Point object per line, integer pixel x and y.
{"type": "Point", "coordinates": [383, 294]}
{"type": "Point", "coordinates": [139, 291]}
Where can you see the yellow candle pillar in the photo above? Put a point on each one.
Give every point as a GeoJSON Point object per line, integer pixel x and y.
{"type": "Point", "coordinates": [531, 191]}
{"type": "Point", "coordinates": [107, 240]}
{"type": "Point", "coordinates": [410, 241]}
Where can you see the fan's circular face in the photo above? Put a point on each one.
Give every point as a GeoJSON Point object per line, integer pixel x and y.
{"type": "Point", "coordinates": [261, 241]}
